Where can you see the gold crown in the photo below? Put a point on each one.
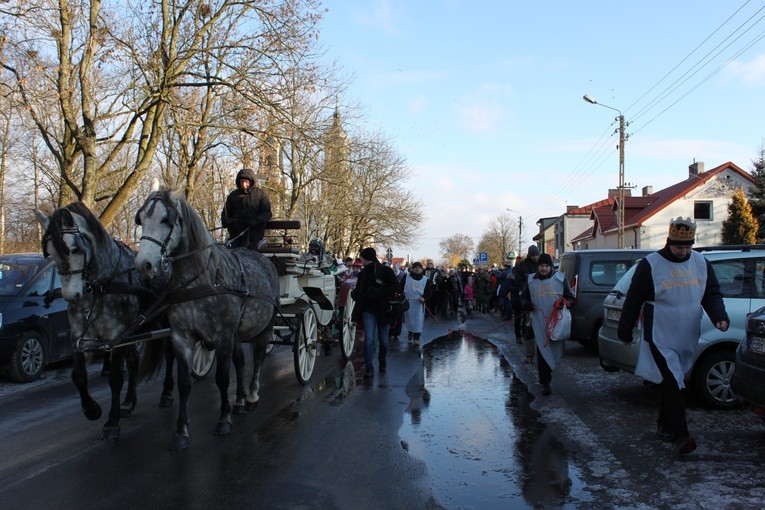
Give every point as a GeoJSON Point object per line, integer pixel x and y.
{"type": "Point", "coordinates": [682, 229]}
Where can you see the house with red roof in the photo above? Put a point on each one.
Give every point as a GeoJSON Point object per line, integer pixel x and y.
{"type": "Point", "coordinates": [704, 197]}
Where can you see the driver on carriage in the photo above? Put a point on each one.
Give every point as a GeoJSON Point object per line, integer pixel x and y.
{"type": "Point", "coordinates": [246, 212]}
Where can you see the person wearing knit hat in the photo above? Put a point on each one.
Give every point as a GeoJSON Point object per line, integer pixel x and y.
{"type": "Point", "coordinates": [374, 289]}
{"type": "Point", "coordinates": [368, 254]}
{"type": "Point", "coordinates": [539, 298]}
{"type": "Point", "coordinates": [522, 320]}
{"type": "Point", "coordinates": [669, 290]}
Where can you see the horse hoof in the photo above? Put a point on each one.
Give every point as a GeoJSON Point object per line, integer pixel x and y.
{"type": "Point", "coordinates": [92, 412]}
{"type": "Point", "coordinates": [251, 406]}
{"type": "Point", "coordinates": [165, 402]}
{"type": "Point", "coordinates": [238, 409]}
{"type": "Point", "coordinates": [126, 410]}
{"type": "Point", "coordinates": [178, 443]}
{"type": "Point", "coordinates": [111, 434]}
{"type": "Point", "coordinates": [223, 428]}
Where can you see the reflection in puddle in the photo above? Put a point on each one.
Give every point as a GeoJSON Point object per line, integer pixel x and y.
{"type": "Point", "coordinates": [469, 420]}
{"type": "Point", "coordinates": [336, 385]}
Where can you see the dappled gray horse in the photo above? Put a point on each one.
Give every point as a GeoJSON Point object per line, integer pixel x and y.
{"type": "Point", "coordinates": [103, 292]}
{"type": "Point", "coordinates": [213, 295]}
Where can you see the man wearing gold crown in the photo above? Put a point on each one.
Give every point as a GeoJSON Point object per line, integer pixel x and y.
{"type": "Point", "coordinates": [672, 286]}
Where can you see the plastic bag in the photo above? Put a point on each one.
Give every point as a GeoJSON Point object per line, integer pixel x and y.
{"type": "Point", "coordinates": [559, 322]}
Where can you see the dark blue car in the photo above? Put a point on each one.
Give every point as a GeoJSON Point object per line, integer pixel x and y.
{"type": "Point", "coordinates": [34, 326]}
{"type": "Point", "coordinates": [749, 377]}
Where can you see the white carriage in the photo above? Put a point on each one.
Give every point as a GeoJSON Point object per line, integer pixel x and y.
{"type": "Point", "coordinates": [307, 302]}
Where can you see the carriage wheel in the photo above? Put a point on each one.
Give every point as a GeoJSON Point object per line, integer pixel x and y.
{"type": "Point", "coordinates": [305, 346]}
{"type": "Point", "coordinates": [349, 328]}
{"type": "Point", "coordinates": [202, 361]}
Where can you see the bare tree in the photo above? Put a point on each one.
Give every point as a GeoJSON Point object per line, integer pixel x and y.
{"type": "Point", "coordinates": [113, 74]}
{"type": "Point", "coordinates": [498, 238]}
{"type": "Point", "coordinates": [456, 248]}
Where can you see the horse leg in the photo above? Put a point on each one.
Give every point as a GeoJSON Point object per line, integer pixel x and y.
{"type": "Point", "coordinates": [259, 347]}
{"type": "Point", "coordinates": [131, 397]}
{"type": "Point", "coordinates": [180, 439]}
{"type": "Point", "coordinates": [106, 367]}
{"type": "Point", "coordinates": [166, 399]}
{"type": "Point", "coordinates": [238, 357]}
{"type": "Point", "coordinates": [80, 379]}
{"type": "Point", "coordinates": [222, 375]}
{"type": "Point", "coordinates": [111, 430]}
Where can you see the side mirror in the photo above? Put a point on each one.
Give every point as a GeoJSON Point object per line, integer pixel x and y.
{"type": "Point", "coordinates": [53, 295]}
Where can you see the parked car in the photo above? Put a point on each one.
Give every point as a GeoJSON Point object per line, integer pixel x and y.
{"type": "Point", "coordinates": [741, 273]}
{"type": "Point", "coordinates": [749, 377]}
{"type": "Point", "coordinates": [592, 274]}
{"type": "Point", "coordinates": [34, 326]}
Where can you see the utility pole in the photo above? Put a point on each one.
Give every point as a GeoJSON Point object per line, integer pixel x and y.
{"type": "Point", "coordinates": [620, 239]}
{"type": "Point", "coordinates": [622, 139]}
{"type": "Point", "coordinates": [520, 235]}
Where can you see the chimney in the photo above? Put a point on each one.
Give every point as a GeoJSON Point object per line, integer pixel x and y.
{"type": "Point", "coordinates": [647, 190]}
{"type": "Point", "coordinates": [613, 193]}
{"type": "Point", "coordinates": [695, 169]}
{"type": "Point", "coordinates": [570, 208]}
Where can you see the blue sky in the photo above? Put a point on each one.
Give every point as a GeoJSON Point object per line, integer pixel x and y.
{"type": "Point", "coordinates": [484, 98]}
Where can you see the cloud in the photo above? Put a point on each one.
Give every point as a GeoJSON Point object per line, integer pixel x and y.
{"type": "Point", "coordinates": [380, 16]}
{"type": "Point", "coordinates": [485, 110]}
{"type": "Point", "coordinates": [418, 104]}
{"type": "Point", "coordinates": [750, 73]}
{"type": "Point", "coordinates": [713, 151]}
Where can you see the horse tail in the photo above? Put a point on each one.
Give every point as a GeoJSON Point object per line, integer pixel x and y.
{"type": "Point", "coordinates": [151, 359]}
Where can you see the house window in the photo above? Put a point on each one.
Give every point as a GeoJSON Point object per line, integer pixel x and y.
{"type": "Point", "coordinates": [702, 210]}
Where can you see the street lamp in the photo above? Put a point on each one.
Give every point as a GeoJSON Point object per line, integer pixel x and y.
{"type": "Point", "coordinates": [622, 139]}
{"type": "Point", "coordinates": [520, 230]}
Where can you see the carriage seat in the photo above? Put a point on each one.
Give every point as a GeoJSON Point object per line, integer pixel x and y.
{"type": "Point", "coordinates": [280, 242]}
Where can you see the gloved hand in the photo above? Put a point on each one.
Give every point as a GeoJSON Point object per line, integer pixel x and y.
{"type": "Point", "coordinates": [528, 306]}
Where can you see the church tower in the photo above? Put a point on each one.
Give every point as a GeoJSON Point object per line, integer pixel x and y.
{"type": "Point", "coordinates": [270, 168]}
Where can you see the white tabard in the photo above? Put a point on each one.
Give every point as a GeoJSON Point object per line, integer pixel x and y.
{"type": "Point", "coordinates": [413, 291]}
{"type": "Point", "coordinates": [544, 294]}
{"type": "Point", "coordinates": [678, 289]}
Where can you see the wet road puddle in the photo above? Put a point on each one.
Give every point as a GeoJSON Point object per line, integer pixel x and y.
{"type": "Point", "coordinates": [470, 421]}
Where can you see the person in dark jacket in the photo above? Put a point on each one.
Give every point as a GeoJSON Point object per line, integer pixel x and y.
{"type": "Point", "coordinates": [523, 325]}
{"type": "Point", "coordinates": [672, 286]}
{"type": "Point", "coordinates": [506, 289]}
{"type": "Point", "coordinates": [375, 287]}
{"type": "Point", "coordinates": [246, 212]}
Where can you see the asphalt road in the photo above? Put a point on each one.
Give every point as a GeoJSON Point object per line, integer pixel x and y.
{"type": "Point", "coordinates": [460, 424]}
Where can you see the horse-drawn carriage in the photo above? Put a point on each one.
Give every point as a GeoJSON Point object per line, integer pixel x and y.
{"type": "Point", "coordinates": [306, 301]}
{"type": "Point", "coordinates": [210, 298]}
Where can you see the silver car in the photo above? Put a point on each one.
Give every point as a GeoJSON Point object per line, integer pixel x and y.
{"type": "Point", "coordinates": [741, 274]}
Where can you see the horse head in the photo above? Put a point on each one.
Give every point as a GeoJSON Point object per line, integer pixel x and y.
{"type": "Point", "coordinates": [162, 232]}
{"type": "Point", "coordinates": [72, 235]}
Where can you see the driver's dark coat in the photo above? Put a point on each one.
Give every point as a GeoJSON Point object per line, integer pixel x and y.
{"type": "Point", "coordinates": [243, 209]}
{"type": "Point", "coordinates": [375, 287]}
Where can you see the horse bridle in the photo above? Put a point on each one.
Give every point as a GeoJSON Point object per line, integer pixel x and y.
{"type": "Point", "coordinates": [80, 243]}
{"type": "Point", "coordinates": [164, 260]}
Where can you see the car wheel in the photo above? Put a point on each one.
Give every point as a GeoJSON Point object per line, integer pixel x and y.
{"type": "Point", "coordinates": [28, 359]}
{"type": "Point", "coordinates": [712, 380]}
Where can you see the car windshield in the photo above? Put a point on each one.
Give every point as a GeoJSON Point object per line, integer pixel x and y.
{"type": "Point", "coordinates": [14, 276]}
{"type": "Point", "coordinates": [623, 285]}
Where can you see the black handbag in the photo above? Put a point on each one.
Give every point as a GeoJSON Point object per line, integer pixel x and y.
{"type": "Point", "coordinates": [398, 304]}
